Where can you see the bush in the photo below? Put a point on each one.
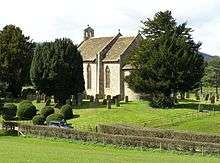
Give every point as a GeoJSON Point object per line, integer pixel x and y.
{"type": "Point", "coordinates": [28, 91]}
{"type": "Point", "coordinates": [9, 111]}
{"type": "Point", "coordinates": [161, 102]}
{"type": "Point", "coordinates": [26, 110]}
{"type": "Point", "coordinates": [46, 111]}
{"type": "Point", "coordinates": [38, 120]}
{"type": "Point", "coordinates": [54, 117]}
{"type": "Point", "coordinates": [66, 111]}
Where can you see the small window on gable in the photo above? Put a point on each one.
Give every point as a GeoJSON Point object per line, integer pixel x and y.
{"type": "Point", "coordinates": [107, 77]}
{"type": "Point", "coordinates": [89, 77]}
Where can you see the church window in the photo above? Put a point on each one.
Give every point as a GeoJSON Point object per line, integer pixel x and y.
{"type": "Point", "coordinates": [107, 77]}
{"type": "Point", "coordinates": [89, 77]}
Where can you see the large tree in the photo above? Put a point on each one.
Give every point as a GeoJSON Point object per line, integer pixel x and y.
{"type": "Point", "coordinates": [212, 74]}
{"type": "Point", "coordinates": [167, 60]}
{"type": "Point", "coordinates": [16, 51]}
{"type": "Point", "coordinates": [57, 69]}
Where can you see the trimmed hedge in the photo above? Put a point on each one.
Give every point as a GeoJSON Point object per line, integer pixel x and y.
{"type": "Point", "coordinates": [54, 117]}
{"type": "Point", "coordinates": [9, 111]}
{"type": "Point", "coordinates": [26, 110]}
{"type": "Point", "coordinates": [38, 120]}
{"type": "Point", "coordinates": [46, 111]}
{"type": "Point", "coordinates": [121, 140]}
{"type": "Point", "coordinates": [158, 133]}
{"type": "Point", "coordinates": [67, 111]}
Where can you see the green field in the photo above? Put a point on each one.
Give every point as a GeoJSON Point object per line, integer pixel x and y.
{"type": "Point", "coordinates": [21, 150]}
{"type": "Point", "coordinates": [184, 117]}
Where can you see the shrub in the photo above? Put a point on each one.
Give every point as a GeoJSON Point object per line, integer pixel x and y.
{"type": "Point", "coordinates": [9, 111]}
{"type": "Point", "coordinates": [48, 101]}
{"type": "Point", "coordinates": [26, 110]}
{"type": "Point", "coordinates": [28, 91]}
{"type": "Point", "coordinates": [66, 111]}
{"type": "Point", "coordinates": [54, 117]}
{"type": "Point", "coordinates": [46, 111]}
{"type": "Point", "coordinates": [38, 120]}
{"type": "Point", "coordinates": [69, 102]}
{"type": "Point", "coordinates": [161, 102]}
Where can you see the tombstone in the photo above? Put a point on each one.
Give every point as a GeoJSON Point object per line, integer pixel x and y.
{"type": "Point", "coordinates": [207, 97]}
{"type": "Point", "coordinates": [69, 102]}
{"type": "Point", "coordinates": [126, 99]}
{"type": "Point", "coordinates": [212, 99]}
{"type": "Point", "coordinates": [38, 99]}
{"type": "Point", "coordinates": [108, 97]}
{"type": "Point", "coordinates": [79, 99]}
{"type": "Point", "coordinates": [48, 101]}
{"type": "Point", "coordinates": [104, 102]}
{"type": "Point", "coordinates": [97, 98]}
{"type": "Point", "coordinates": [91, 98]}
{"type": "Point", "coordinates": [197, 95]}
{"type": "Point", "coordinates": [187, 95]}
{"type": "Point", "coordinates": [73, 99]}
{"type": "Point", "coordinates": [117, 102]}
{"type": "Point", "coordinates": [108, 104]}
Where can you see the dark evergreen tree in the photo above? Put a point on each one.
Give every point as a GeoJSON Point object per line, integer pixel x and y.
{"type": "Point", "coordinates": [16, 52]}
{"type": "Point", "coordinates": [167, 60]}
{"type": "Point", "coordinates": [57, 69]}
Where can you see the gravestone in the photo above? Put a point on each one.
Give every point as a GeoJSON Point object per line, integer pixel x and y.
{"type": "Point", "coordinates": [91, 98]}
{"type": "Point", "coordinates": [126, 99]}
{"type": "Point", "coordinates": [79, 99]}
{"type": "Point", "coordinates": [117, 102]}
{"type": "Point", "coordinates": [109, 104]}
{"type": "Point", "coordinates": [97, 98]}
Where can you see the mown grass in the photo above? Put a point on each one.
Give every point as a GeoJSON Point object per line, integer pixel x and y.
{"type": "Point", "coordinates": [184, 116]}
{"type": "Point", "coordinates": [21, 150]}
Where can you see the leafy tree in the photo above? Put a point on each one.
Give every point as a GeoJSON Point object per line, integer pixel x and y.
{"type": "Point", "coordinates": [212, 74]}
{"type": "Point", "coordinates": [57, 69]}
{"type": "Point", "coordinates": [167, 61]}
{"type": "Point", "coordinates": [16, 51]}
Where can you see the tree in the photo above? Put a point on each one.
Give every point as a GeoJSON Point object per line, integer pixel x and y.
{"type": "Point", "coordinates": [16, 51]}
{"type": "Point", "coordinates": [212, 74]}
{"type": "Point", "coordinates": [167, 61]}
{"type": "Point", "coordinates": [57, 69]}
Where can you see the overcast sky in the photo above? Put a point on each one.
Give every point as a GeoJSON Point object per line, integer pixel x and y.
{"type": "Point", "coordinates": [45, 20]}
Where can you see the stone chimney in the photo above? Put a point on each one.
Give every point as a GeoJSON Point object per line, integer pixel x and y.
{"type": "Point", "coordinates": [88, 33]}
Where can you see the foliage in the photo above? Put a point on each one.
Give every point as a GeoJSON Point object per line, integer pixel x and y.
{"type": "Point", "coordinates": [54, 117]}
{"type": "Point", "coordinates": [28, 91]}
{"type": "Point", "coordinates": [66, 111]}
{"type": "Point", "coordinates": [46, 111]}
{"type": "Point", "coordinates": [9, 111]}
{"type": "Point", "coordinates": [212, 74]}
{"type": "Point", "coordinates": [38, 120]}
{"type": "Point", "coordinates": [167, 60]}
{"type": "Point", "coordinates": [161, 102]}
{"type": "Point", "coordinates": [16, 51]}
{"type": "Point", "coordinates": [57, 69]}
{"type": "Point", "coordinates": [26, 110]}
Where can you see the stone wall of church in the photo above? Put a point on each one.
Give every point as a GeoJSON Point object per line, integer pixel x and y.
{"type": "Point", "coordinates": [127, 91]}
{"type": "Point", "coordinates": [93, 90]}
{"type": "Point", "coordinates": [114, 79]}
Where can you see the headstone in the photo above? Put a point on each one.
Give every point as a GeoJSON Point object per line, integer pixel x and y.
{"type": "Point", "coordinates": [207, 97]}
{"type": "Point", "coordinates": [187, 95]}
{"type": "Point", "coordinates": [126, 99]}
{"type": "Point", "coordinates": [91, 98]}
{"type": "Point", "coordinates": [69, 102]}
{"type": "Point", "coordinates": [212, 99]}
{"type": "Point", "coordinates": [117, 102]}
{"type": "Point", "coordinates": [79, 99]}
{"type": "Point", "coordinates": [108, 104]}
{"type": "Point", "coordinates": [97, 98]}
{"type": "Point", "coordinates": [104, 102]}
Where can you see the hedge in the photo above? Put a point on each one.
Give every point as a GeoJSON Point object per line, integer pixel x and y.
{"type": "Point", "coordinates": [46, 111]}
{"type": "Point", "coordinates": [121, 140]}
{"type": "Point", "coordinates": [158, 133]}
{"type": "Point", "coordinates": [26, 110]}
{"type": "Point", "coordinates": [9, 111]}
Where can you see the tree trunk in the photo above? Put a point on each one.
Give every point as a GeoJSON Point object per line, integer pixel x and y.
{"type": "Point", "coordinates": [216, 91]}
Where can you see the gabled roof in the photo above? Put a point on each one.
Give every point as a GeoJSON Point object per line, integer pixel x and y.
{"type": "Point", "coordinates": [91, 47]}
{"type": "Point", "coordinates": [118, 48]}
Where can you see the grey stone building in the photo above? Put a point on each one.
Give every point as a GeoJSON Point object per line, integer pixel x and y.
{"type": "Point", "coordinates": [104, 63]}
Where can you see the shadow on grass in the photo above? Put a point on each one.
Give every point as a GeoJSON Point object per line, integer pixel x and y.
{"type": "Point", "coordinates": [194, 106]}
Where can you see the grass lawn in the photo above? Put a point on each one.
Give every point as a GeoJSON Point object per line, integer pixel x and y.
{"type": "Point", "coordinates": [21, 150]}
{"type": "Point", "coordinates": [183, 117]}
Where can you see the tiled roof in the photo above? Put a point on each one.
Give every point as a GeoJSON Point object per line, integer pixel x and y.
{"type": "Point", "coordinates": [118, 48]}
{"type": "Point", "coordinates": [91, 47]}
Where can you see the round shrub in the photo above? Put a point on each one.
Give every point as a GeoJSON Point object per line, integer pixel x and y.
{"type": "Point", "coordinates": [26, 110]}
{"type": "Point", "coordinates": [66, 111]}
{"type": "Point", "coordinates": [9, 111]}
{"type": "Point", "coordinates": [46, 111]}
{"type": "Point", "coordinates": [54, 117]}
{"type": "Point", "coordinates": [38, 120]}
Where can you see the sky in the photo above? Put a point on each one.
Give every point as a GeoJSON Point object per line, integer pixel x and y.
{"type": "Point", "coordinates": [45, 20]}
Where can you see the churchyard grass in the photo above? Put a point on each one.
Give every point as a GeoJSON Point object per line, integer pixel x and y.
{"type": "Point", "coordinates": [20, 149]}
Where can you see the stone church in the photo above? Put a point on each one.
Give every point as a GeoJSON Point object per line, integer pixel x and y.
{"type": "Point", "coordinates": [104, 63]}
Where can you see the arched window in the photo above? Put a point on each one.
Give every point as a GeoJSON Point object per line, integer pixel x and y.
{"type": "Point", "coordinates": [107, 77]}
{"type": "Point", "coordinates": [89, 77]}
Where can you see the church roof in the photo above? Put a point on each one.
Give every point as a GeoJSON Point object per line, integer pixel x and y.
{"type": "Point", "coordinates": [118, 48]}
{"type": "Point", "coordinates": [91, 47]}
